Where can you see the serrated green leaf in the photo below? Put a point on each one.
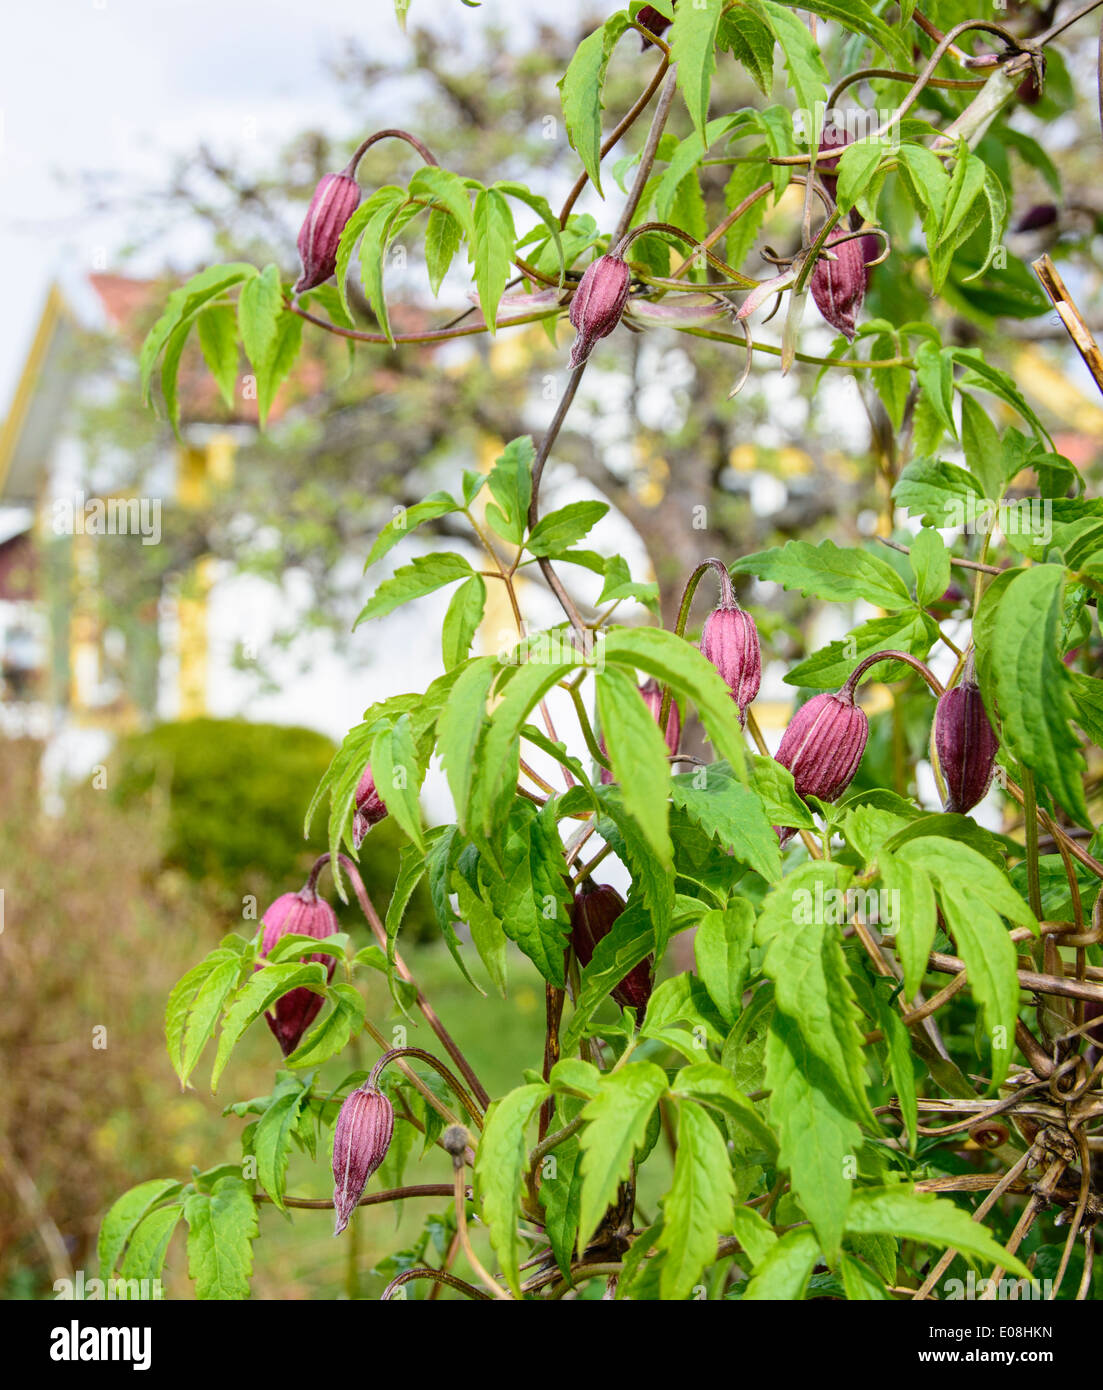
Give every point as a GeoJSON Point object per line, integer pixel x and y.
{"type": "Point", "coordinates": [698, 1208]}
{"type": "Point", "coordinates": [830, 572]}
{"type": "Point", "coordinates": [501, 1162]}
{"type": "Point", "coordinates": [424, 575]}
{"type": "Point", "coordinates": [222, 1225]}
{"type": "Point", "coordinates": [218, 342]}
{"type": "Point", "coordinates": [491, 250]}
{"type": "Point", "coordinates": [616, 1123]}
{"type": "Point", "coordinates": [722, 950]}
{"type": "Point", "coordinates": [638, 754]}
{"type": "Point", "coordinates": [581, 89]}
{"type": "Point", "coordinates": [901, 1211]}
{"type": "Point", "coordinates": [124, 1216]}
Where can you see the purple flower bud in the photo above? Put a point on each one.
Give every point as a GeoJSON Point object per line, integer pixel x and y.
{"type": "Point", "coordinates": [335, 200]}
{"type": "Point", "coordinates": [653, 699]}
{"type": "Point", "coordinates": [1037, 217]}
{"type": "Point", "coordinates": [965, 746]}
{"type": "Point", "coordinates": [598, 304]}
{"type": "Point", "coordinates": [369, 807]}
{"type": "Point", "coordinates": [654, 22]}
{"type": "Point", "coordinates": [823, 745]}
{"type": "Point", "coordinates": [729, 640]}
{"type": "Point", "coordinates": [596, 907]}
{"type": "Point", "coordinates": [360, 1142]}
{"type": "Point", "coordinates": [839, 286]}
{"type": "Point", "coordinates": [302, 914]}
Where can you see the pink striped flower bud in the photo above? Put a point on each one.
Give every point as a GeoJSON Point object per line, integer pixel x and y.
{"type": "Point", "coordinates": [839, 286]}
{"type": "Point", "coordinates": [360, 1142]}
{"type": "Point", "coordinates": [598, 304]}
{"type": "Point", "coordinates": [965, 747]}
{"type": "Point", "coordinates": [369, 807]}
{"type": "Point", "coordinates": [823, 745]}
{"type": "Point", "coordinates": [302, 914]}
{"type": "Point", "coordinates": [335, 200]}
{"type": "Point", "coordinates": [729, 639]}
{"type": "Point", "coordinates": [596, 907]}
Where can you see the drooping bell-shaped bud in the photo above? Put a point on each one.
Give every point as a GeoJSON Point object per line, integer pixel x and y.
{"type": "Point", "coordinates": [823, 744]}
{"type": "Point", "coordinates": [360, 1142]}
{"type": "Point", "coordinates": [1039, 216]}
{"type": "Point", "coordinates": [598, 304]}
{"type": "Point", "coordinates": [303, 914]}
{"type": "Point", "coordinates": [335, 200]}
{"type": "Point", "coordinates": [596, 907]}
{"type": "Point", "coordinates": [964, 745]}
{"type": "Point", "coordinates": [654, 22]}
{"type": "Point", "coordinates": [839, 286]}
{"type": "Point", "coordinates": [369, 807]}
{"type": "Point", "coordinates": [729, 639]}
{"type": "Point", "coordinates": [652, 694]}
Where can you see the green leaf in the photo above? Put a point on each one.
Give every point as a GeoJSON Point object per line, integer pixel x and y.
{"type": "Point", "coordinates": [699, 1206]}
{"type": "Point", "coordinates": [941, 494]}
{"type": "Point", "coordinates": [751, 42]}
{"type": "Point", "coordinates": [392, 215]}
{"type": "Point", "coordinates": [856, 168]}
{"type": "Point", "coordinates": [722, 947]}
{"type": "Point", "coordinates": [460, 726]}
{"type": "Point", "coordinates": [911, 894]}
{"type": "Point", "coordinates": [383, 200]}
{"type": "Point", "coordinates": [530, 895]}
{"type": "Point", "coordinates": [903, 1212]}
{"type": "Point", "coordinates": [692, 41]}
{"type": "Point", "coordinates": [330, 1036]}
{"type": "Point", "coordinates": [807, 74]}
{"type": "Point", "coordinates": [910, 631]}
{"type": "Point", "coordinates": [542, 209]}
{"type": "Point", "coordinates": [424, 575]}
{"type": "Point", "coordinates": [755, 1234]}
{"type": "Point", "coordinates": [397, 778]}
{"type": "Point", "coordinates": [258, 993]}
{"type": "Point", "coordinates": [934, 371]}
{"type": "Point", "coordinates": [222, 1225]}
{"type": "Point", "coordinates": [182, 307]}
{"type": "Point", "coordinates": [510, 482]}
{"type": "Point", "coordinates": [560, 1188]}
{"type": "Point", "coordinates": [461, 622]}
{"type": "Point", "coordinates": [800, 925]}
{"type": "Point", "coordinates": [638, 754]}
{"type": "Point", "coordinates": [983, 450]}
{"type": "Point", "coordinates": [486, 930]}
{"type": "Point", "coordinates": [616, 1124]}
{"type": "Point", "coordinates": [1033, 685]}
{"type": "Point", "coordinates": [973, 893]}
{"type": "Point", "coordinates": [124, 1216]}
{"type": "Point", "coordinates": [931, 562]}
{"type": "Point", "coordinates": [581, 89]}
{"type": "Point", "coordinates": [818, 1141]}
{"type": "Point", "coordinates": [829, 572]}
{"type": "Point", "coordinates": [898, 1044]}
{"type": "Point", "coordinates": [491, 251]}
{"type": "Point", "coordinates": [407, 519]}
{"type": "Point", "coordinates": [442, 241]}
{"type": "Point", "coordinates": [448, 191]}
{"type": "Point", "coordinates": [218, 342]}
{"type": "Point", "coordinates": [733, 815]}
{"type": "Point", "coordinates": [270, 333]}
{"type": "Point", "coordinates": [562, 528]}
{"type": "Point", "coordinates": [673, 661]}
{"type": "Point", "coordinates": [501, 1162]}
{"type": "Point", "coordinates": [273, 1138]}
{"type": "Point", "coordinates": [194, 1006]}
{"type": "Point", "coordinates": [859, 1281]}
{"type": "Point", "coordinates": [145, 1255]}
{"type": "Point", "coordinates": [857, 16]}
{"type": "Point", "coordinates": [783, 1272]}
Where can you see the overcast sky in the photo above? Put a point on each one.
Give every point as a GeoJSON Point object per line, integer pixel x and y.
{"type": "Point", "coordinates": [118, 87]}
